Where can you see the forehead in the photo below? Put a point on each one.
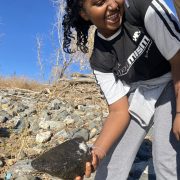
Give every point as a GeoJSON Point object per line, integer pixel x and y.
{"type": "Point", "coordinates": [90, 1]}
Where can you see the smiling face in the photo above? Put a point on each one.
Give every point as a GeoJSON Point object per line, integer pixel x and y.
{"type": "Point", "coordinates": [106, 15]}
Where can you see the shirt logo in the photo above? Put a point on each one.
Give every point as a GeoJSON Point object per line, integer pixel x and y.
{"type": "Point", "coordinates": [142, 47]}
{"type": "Point", "coordinates": [136, 35]}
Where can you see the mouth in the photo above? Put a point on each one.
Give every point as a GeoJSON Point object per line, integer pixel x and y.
{"type": "Point", "coordinates": [113, 18]}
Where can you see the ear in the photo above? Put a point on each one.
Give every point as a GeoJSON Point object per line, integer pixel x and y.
{"type": "Point", "coordinates": [84, 15]}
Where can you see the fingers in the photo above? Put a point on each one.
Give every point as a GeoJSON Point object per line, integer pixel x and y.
{"type": "Point", "coordinates": [94, 160]}
{"type": "Point", "coordinates": [88, 169]}
{"type": "Point", "coordinates": [176, 128]}
{"type": "Point", "coordinates": [177, 135]}
{"type": "Point", "coordinates": [78, 178]}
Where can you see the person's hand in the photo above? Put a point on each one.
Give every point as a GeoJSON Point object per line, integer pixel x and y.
{"type": "Point", "coordinates": [176, 127]}
{"type": "Point", "coordinates": [90, 166]}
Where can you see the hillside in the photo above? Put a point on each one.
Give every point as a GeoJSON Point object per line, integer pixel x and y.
{"type": "Point", "coordinates": [34, 120]}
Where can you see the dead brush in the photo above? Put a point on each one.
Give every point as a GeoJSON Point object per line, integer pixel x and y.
{"type": "Point", "coordinates": [21, 83]}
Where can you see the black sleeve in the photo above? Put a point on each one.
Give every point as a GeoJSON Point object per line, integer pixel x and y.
{"type": "Point", "coordinates": [102, 59]}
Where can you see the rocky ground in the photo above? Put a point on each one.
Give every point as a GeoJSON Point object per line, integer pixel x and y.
{"type": "Point", "coordinates": [33, 122]}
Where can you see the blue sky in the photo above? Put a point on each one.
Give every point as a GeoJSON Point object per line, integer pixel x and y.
{"type": "Point", "coordinates": [20, 22]}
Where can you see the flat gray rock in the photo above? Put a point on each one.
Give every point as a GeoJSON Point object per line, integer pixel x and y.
{"type": "Point", "coordinates": [66, 160]}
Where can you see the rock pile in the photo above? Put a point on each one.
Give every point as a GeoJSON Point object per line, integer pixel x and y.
{"type": "Point", "coordinates": [33, 122]}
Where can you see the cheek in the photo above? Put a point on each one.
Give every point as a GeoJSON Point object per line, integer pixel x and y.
{"type": "Point", "coordinates": [97, 15]}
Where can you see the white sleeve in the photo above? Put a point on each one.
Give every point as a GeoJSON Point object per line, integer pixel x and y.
{"type": "Point", "coordinates": [163, 28]}
{"type": "Point", "coordinates": [112, 90]}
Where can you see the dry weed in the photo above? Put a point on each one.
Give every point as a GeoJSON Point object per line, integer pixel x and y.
{"type": "Point", "coordinates": [21, 82]}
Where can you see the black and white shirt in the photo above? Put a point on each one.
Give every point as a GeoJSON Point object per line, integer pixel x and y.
{"type": "Point", "coordinates": [139, 51]}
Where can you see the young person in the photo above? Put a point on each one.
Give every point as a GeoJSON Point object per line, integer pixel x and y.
{"type": "Point", "coordinates": [136, 61]}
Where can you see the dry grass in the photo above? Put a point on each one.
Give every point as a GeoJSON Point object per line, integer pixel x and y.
{"type": "Point", "coordinates": [21, 82]}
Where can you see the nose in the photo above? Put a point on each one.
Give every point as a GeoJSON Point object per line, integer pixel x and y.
{"type": "Point", "coordinates": [112, 4]}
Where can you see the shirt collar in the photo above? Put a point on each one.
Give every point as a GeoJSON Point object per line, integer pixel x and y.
{"type": "Point", "coordinates": [111, 37]}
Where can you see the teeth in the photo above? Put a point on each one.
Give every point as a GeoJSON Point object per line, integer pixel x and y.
{"type": "Point", "coordinates": [112, 16]}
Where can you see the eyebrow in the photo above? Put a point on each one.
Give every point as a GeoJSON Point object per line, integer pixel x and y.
{"type": "Point", "coordinates": [93, 0]}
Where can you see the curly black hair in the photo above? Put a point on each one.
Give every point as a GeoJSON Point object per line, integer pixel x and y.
{"type": "Point", "coordinates": [72, 19]}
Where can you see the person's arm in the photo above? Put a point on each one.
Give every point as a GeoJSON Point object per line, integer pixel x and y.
{"type": "Point", "coordinates": [116, 122]}
{"type": "Point", "coordinates": [175, 69]}
{"type": "Point", "coordinates": [114, 126]}
{"type": "Point", "coordinates": [118, 118]}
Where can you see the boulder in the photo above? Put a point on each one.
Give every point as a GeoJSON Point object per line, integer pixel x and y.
{"type": "Point", "coordinates": [66, 160]}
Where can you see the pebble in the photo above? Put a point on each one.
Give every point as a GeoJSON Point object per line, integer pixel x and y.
{"type": "Point", "coordinates": [1, 163]}
{"type": "Point", "coordinates": [43, 137]}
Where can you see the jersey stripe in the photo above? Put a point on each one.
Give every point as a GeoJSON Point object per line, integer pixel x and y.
{"type": "Point", "coordinates": [172, 19]}
{"type": "Point", "coordinates": [157, 6]}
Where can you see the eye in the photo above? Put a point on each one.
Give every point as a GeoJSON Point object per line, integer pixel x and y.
{"type": "Point", "coordinates": [99, 3]}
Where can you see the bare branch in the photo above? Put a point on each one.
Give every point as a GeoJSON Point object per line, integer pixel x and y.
{"type": "Point", "coordinates": [39, 58]}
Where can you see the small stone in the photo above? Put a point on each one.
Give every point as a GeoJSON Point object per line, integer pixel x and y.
{"type": "Point", "coordinates": [93, 132]}
{"type": "Point", "coordinates": [21, 168]}
{"type": "Point", "coordinates": [43, 137]}
{"type": "Point", "coordinates": [4, 116]}
{"type": "Point", "coordinates": [83, 133]}
{"type": "Point", "coordinates": [1, 163]}
{"type": "Point", "coordinates": [8, 176]}
{"type": "Point", "coordinates": [69, 120]}
{"type": "Point", "coordinates": [52, 125]}
{"type": "Point", "coordinates": [55, 104]}
{"type": "Point", "coordinates": [62, 134]}
{"type": "Point", "coordinates": [26, 177]}
{"type": "Point", "coordinates": [22, 155]}
{"type": "Point", "coordinates": [10, 162]}
{"type": "Point", "coordinates": [4, 106]}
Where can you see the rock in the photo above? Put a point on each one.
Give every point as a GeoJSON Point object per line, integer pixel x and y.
{"type": "Point", "coordinates": [21, 168]}
{"type": "Point", "coordinates": [20, 108]}
{"type": "Point", "coordinates": [4, 100]}
{"type": "Point", "coordinates": [8, 176]}
{"type": "Point", "coordinates": [43, 137]}
{"type": "Point", "coordinates": [27, 177]}
{"type": "Point", "coordinates": [66, 160]}
{"type": "Point", "coordinates": [63, 134]}
{"type": "Point", "coordinates": [55, 104]}
{"type": "Point", "coordinates": [10, 162]}
{"type": "Point", "coordinates": [66, 110]}
{"type": "Point", "coordinates": [31, 111]}
{"type": "Point", "coordinates": [4, 132]}
{"type": "Point", "coordinates": [1, 163]}
{"type": "Point", "coordinates": [60, 115]}
{"type": "Point", "coordinates": [52, 125]}
{"type": "Point", "coordinates": [93, 132]}
{"type": "Point", "coordinates": [22, 155]}
{"type": "Point", "coordinates": [83, 133]}
{"type": "Point", "coordinates": [69, 120]}
{"type": "Point", "coordinates": [4, 116]}
{"type": "Point", "coordinates": [21, 125]}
